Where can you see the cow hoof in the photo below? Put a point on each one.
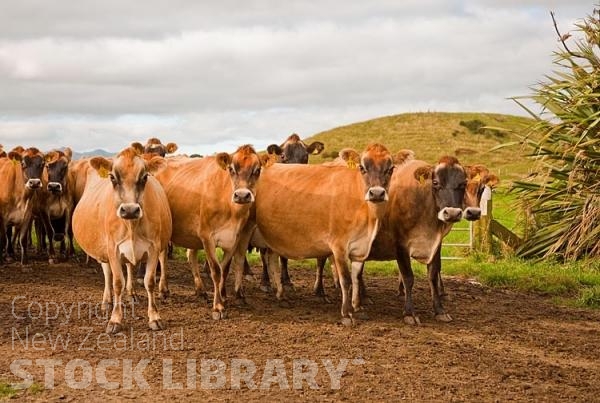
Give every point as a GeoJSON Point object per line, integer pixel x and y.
{"type": "Point", "coordinates": [266, 288]}
{"type": "Point", "coordinates": [156, 325]}
{"type": "Point", "coordinates": [412, 320]}
{"type": "Point", "coordinates": [164, 294]}
{"type": "Point", "coordinates": [325, 299]}
{"type": "Point", "coordinates": [52, 261]}
{"type": "Point", "coordinates": [289, 287]}
{"type": "Point", "coordinates": [348, 322]}
{"type": "Point", "coordinates": [113, 328]}
{"type": "Point", "coordinates": [443, 317]}
{"type": "Point", "coordinates": [216, 315]}
{"type": "Point", "coordinates": [140, 281]}
{"type": "Point", "coordinates": [249, 278]}
{"type": "Point", "coordinates": [284, 303]}
{"type": "Point", "coordinates": [361, 314]}
{"type": "Point", "coordinates": [241, 302]}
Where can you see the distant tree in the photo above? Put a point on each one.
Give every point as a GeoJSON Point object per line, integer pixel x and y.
{"type": "Point", "coordinates": [563, 195]}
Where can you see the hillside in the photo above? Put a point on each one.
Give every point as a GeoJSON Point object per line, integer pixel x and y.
{"type": "Point", "coordinates": [433, 134]}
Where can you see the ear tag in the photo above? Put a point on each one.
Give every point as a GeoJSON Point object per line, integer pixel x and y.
{"type": "Point", "coordinates": [477, 178]}
{"type": "Point", "coordinates": [422, 179]}
{"type": "Point", "coordinates": [351, 164]}
{"type": "Point", "coordinates": [103, 172]}
{"type": "Point", "coordinates": [14, 161]}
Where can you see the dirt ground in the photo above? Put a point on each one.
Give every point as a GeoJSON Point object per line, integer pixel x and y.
{"type": "Point", "coordinates": [501, 345]}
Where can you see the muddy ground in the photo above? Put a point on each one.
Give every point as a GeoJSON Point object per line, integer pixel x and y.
{"type": "Point", "coordinates": [501, 346]}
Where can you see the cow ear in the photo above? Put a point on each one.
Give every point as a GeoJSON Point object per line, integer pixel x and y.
{"type": "Point", "coordinates": [138, 147]}
{"type": "Point", "coordinates": [491, 180]}
{"type": "Point", "coordinates": [403, 156]}
{"type": "Point", "coordinates": [50, 156]}
{"type": "Point", "coordinates": [68, 153]}
{"type": "Point", "coordinates": [266, 160]}
{"type": "Point", "coordinates": [351, 157]}
{"type": "Point", "coordinates": [18, 149]}
{"type": "Point", "coordinates": [171, 148]}
{"type": "Point", "coordinates": [315, 148]}
{"type": "Point", "coordinates": [223, 159]}
{"type": "Point", "coordinates": [156, 165]}
{"type": "Point", "coordinates": [101, 165]}
{"type": "Point", "coordinates": [274, 149]}
{"type": "Point", "coordinates": [423, 174]}
{"type": "Point", "coordinates": [14, 156]}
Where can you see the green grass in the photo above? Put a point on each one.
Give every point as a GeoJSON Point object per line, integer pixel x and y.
{"type": "Point", "coordinates": [7, 391]}
{"type": "Point", "coordinates": [431, 135]}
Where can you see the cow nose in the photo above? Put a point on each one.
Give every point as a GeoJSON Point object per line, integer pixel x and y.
{"type": "Point", "coordinates": [54, 187]}
{"type": "Point", "coordinates": [450, 214]}
{"type": "Point", "coordinates": [376, 194]}
{"type": "Point", "coordinates": [129, 211]}
{"type": "Point", "coordinates": [34, 183]}
{"type": "Point", "coordinates": [472, 213]}
{"type": "Point", "coordinates": [243, 196]}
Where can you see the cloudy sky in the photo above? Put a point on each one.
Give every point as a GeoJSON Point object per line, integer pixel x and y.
{"type": "Point", "coordinates": [212, 75]}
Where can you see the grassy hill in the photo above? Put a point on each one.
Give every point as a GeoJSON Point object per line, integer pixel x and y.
{"type": "Point", "coordinates": [468, 136]}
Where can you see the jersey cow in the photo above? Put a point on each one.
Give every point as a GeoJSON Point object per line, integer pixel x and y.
{"type": "Point", "coordinates": [123, 218]}
{"type": "Point", "coordinates": [22, 197]}
{"type": "Point", "coordinates": [210, 199]}
{"type": "Point", "coordinates": [345, 206]}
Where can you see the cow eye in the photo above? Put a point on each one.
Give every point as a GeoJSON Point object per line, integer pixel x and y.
{"type": "Point", "coordinates": [112, 179]}
{"type": "Point", "coordinates": [390, 170]}
{"type": "Point", "coordinates": [144, 178]}
{"type": "Point", "coordinates": [231, 170]}
{"type": "Point", "coordinates": [257, 172]}
{"type": "Point", "coordinates": [362, 169]}
{"type": "Point", "coordinates": [435, 183]}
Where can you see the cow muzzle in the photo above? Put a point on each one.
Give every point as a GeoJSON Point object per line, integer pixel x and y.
{"type": "Point", "coordinates": [376, 194]}
{"type": "Point", "coordinates": [450, 214]}
{"type": "Point", "coordinates": [129, 211]}
{"type": "Point", "coordinates": [472, 213]}
{"type": "Point", "coordinates": [54, 187]}
{"type": "Point", "coordinates": [242, 196]}
{"type": "Point", "coordinates": [33, 183]}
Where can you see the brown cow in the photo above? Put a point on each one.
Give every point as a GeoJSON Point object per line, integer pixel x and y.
{"type": "Point", "coordinates": [210, 200]}
{"type": "Point", "coordinates": [345, 206]}
{"type": "Point", "coordinates": [59, 202]}
{"type": "Point", "coordinates": [123, 217]}
{"type": "Point", "coordinates": [22, 197]}
{"type": "Point", "coordinates": [155, 147]}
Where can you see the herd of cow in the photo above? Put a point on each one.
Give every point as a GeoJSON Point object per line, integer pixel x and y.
{"type": "Point", "coordinates": [126, 210]}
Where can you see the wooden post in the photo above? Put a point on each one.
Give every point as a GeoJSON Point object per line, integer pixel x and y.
{"type": "Point", "coordinates": [484, 234]}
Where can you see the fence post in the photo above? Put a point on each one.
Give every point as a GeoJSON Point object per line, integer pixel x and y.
{"type": "Point", "coordinates": [484, 240]}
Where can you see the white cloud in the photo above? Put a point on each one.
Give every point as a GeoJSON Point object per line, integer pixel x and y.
{"type": "Point", "coordinates": [209, 75]}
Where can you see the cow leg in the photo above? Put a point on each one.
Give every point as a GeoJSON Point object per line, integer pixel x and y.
{"type": "Point", "coordinates": [192, 256]}
{"type": "Point", "coordinates": [433, 272]}
{"type": "Point", "coordinates": [163, 285]}
{"type": "Point", "coordinates": [24, 238]}
{"type": "Point", "coordinates": [50, 233]}
{"type": "Point", "coordinates": [216, 274]}
{"type": "Point", "coordinates": [154, 320]}
{"type": "Point", "coordinates": [318, 288]}
{"type": "Point", "coordinates": [275, 272]}
{"type": "Point", "coordinates": [69, 231]}
{"type": "Point", "coordinates": [265, 281]}
{"type": "Point", "coordinates": [357, 292]}
{"type": "Point", "coordinates": [106, 296]}
{"type": "Point", "coordinates": [441, 288]}
{"type": "Point", "coordinates": [116, 319]}
{"type": "Point", "coordinates": [247, 271]}
{"type": "Point", "coordinates": [10, 243]}
{"type": "Point", "coordinates": [345, 280]}
{"type": "Point", "coordinates": [407, 279]}
{"type": "Point", "coordinates": [285, 275]}
{"type": "Point", "coordinates": [130, 286]}
{"type": "Point", "coordinates": [3, 240]}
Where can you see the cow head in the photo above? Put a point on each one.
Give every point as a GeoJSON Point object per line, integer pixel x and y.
{"type": "Point", "coordinates": [128, 172]}
{"type": "Point", "coordinates": [155, 147]}
{"type": "Point", "coordinates": [57, 164]}
{"type": "Point", "coordinates": [448, 182]}
{"type": "Point", "coordinates": [294, 150]}
{"type": "Point", "coordinates": [244, 167]}
{"type": "Point", "coordinates": [478, 177]}
{"type": "Point", "coordinates": [32, 165]}
{"type": "Point", "coordinates": [376, 167]}
{"type": "Point", "coordinates": [2, 152]}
